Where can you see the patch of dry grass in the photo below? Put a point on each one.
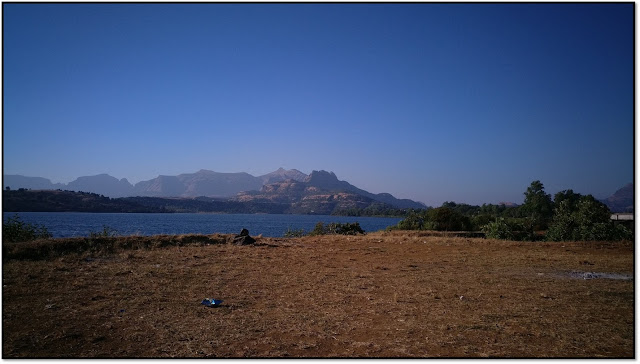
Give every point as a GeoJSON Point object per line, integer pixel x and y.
{"type": "Point", "coordinates": [102, 245]}
{"type": "Point", "coordinates": [398, 294]}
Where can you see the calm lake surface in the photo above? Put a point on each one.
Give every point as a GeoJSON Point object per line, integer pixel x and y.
{"type": "Point", "coordinates": [70, 224]}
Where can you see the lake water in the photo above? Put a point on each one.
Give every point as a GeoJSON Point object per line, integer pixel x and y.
{"type": "Point", "coordinates": [69, 224]}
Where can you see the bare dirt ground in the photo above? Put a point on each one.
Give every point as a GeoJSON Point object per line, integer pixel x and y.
{"type": "Point", "coordinates": [400, 294]}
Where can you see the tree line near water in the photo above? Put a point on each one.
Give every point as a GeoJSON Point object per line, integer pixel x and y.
{"type": "Point", "coordinates": [23, 200]}
{"type": "Point", "coordinates": [569, 216]}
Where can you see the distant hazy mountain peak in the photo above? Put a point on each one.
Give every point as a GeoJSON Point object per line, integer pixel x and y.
{"type": "Point", "coordinates": [102, 184]}
{"type": "Point", "coordinates": [621, 200]}
{"type": "Point", "coordinates": [36, 183]}
{"type": "Point", "coordinates": [322, 175]}
{"type": "Point", "coordinates": [103, 176]}
{"type": "Point", "coordinates": [282, 174]}
{"type": "Point", "coordinates": [203, 171]}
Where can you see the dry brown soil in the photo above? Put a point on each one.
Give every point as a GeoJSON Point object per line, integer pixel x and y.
{"type": "Point", "coordinates": [400, 294]}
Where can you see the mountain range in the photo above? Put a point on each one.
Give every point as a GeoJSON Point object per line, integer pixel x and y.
{"type": "Point", "coordinates": [320, 187]}
{"type": "Point", "coordinates": [201, 183]}
{"type": "Point", "coordinates": [320, 190]}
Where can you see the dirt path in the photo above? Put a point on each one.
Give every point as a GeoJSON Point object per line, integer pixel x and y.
{"type": "Point", "coordinates": [379, 295]}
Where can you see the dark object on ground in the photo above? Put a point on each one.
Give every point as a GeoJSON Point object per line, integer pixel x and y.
{"type": "Point", "coordinates": [243, 238]}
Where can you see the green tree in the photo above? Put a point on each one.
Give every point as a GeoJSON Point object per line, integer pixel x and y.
{"type": "Point", "coordinates": [337, 228]}
{"type": "Point", "coordinates": [538, 206]}
{"type": "Point", "coordinates": [584, 219]}
{"type": "Point", "coordinates": [441, 218]}
{"type": "Point", "coordinates": [446, 219]}
{"type": "Point", "coordinates": [566, 195]}
{"type": "Point", "coordinates": [563, 227]}
{"type": "Point", "coordinates": [480, 220]}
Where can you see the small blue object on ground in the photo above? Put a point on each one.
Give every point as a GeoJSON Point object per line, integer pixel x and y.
{"type": "Point", "coordinates": [210, 302]}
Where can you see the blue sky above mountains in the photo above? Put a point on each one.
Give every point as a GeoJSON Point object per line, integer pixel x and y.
{"type": "Point", "coordinates": [433, 102]}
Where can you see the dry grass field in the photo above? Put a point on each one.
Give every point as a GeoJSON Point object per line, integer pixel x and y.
{"type": "Point", "coordinates": [398, 294]}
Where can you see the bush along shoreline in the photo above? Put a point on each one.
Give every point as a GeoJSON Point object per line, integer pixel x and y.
{"type": "Point", "coordinates": [334, 228]}
{"type": "Point", "coordinates": [569, 216]}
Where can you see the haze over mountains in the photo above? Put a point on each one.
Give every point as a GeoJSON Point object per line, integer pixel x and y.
{"type": "Point", "coordinates": [280, 186]}
{"type": "Point", "coordinates": [212, 184]}
{"type": "Point", "coordinates": [201, 183]}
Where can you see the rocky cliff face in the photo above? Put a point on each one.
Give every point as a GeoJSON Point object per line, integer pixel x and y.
{"type": "Point", "coordinates": [281, 192]}
{"type": "Point", "coordinates": [329, 181]}
{"type": "Point", "coordinates": [304, 199]}
{"type": "Point", "coordinates": [321, 192]}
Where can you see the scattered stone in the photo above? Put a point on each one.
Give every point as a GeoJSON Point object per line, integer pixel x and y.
{"type": "Point", "coordinates": [243, 238]}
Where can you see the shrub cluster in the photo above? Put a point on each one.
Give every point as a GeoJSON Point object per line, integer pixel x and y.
{"type": "Point", "coordinates": [15, 230]}
{"type": "Point", "coordinates": [498, 229]}
{"type": "Point", "coordinates": [106, 232]}
{"type": "Point", "coordinates": [442, 218]}
{"type": "Point", "coordinates": [585, 219]}
{"type": "Point", "coordinates": [337, 228]}
{"type": "Point", "coordinates": [509, 229]}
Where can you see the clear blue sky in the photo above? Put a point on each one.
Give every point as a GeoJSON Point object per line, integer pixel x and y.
{"type": "Point", "coordinates": [433, 102]}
